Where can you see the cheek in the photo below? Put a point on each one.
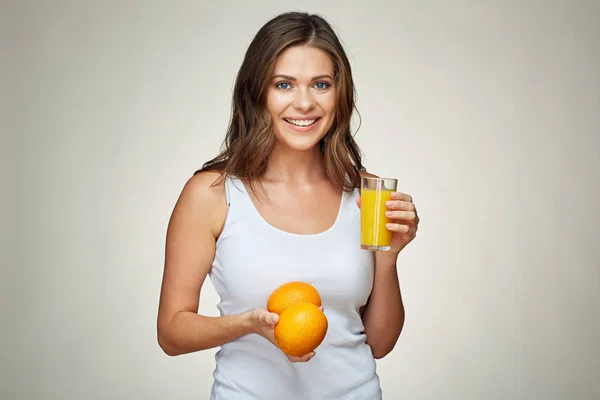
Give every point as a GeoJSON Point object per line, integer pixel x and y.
{"type": "Point", "coordinates": [329, 104]}
{"type": "Point", "coordinates": [276, 103]}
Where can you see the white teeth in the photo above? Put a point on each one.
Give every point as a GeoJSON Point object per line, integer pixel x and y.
{"type": "Point", "coordinates": [301, 122]}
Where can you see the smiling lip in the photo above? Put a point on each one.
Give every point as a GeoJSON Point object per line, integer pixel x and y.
{"type": "Point", "coordinates": [303, 118]}
{"type": "Point", "coordinates": [302, 128]}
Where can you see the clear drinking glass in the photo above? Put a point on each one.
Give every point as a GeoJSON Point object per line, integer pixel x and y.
{"type": "Point", "coordinates": [374, 192]}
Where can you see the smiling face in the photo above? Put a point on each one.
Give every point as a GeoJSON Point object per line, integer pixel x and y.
{"type": "Point", "coordinates": [301, 97]}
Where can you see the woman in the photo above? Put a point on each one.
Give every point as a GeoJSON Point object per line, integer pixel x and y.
{"type": "Point", "coordinates": [279, 204]}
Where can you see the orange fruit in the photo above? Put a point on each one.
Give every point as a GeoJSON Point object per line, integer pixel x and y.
{"type": "Point", "coordinates": [292, 293]}
{"type": "Point", "coordinates": [301, 329]}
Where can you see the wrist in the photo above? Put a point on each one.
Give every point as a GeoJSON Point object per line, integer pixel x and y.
{"type": "Point", "coordinates": [247, 324]}
{"type": "Point", "coordinates": [386, 259]}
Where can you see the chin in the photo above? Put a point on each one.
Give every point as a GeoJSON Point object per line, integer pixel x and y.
{"type": "Point", "coordinates": [297, 144]}
{"type": "Point", "coordinates": [304, 147]}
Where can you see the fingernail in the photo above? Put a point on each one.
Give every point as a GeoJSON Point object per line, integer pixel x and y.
{"type": "Point", "coordinates": [389, 203]}
{"type": "Point", "coordinates": [388, 213]}
{"type": "Point", "coordinates": [389, 225]}
{"type": "Point", "coordinates": [395, 195]}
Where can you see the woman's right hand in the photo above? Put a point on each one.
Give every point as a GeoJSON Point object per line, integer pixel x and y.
{"type": "Point", "coordinates": [263, 324]}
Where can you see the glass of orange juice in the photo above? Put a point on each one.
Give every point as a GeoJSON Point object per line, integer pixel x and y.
{"type": "Point", "coordinates": [374, 192]}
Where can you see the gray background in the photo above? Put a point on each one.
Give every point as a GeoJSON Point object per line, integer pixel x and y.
{"type": "Point", "coordinates": [488, 113]}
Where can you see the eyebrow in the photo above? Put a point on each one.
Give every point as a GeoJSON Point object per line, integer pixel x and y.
{"type": "Point", "coordinates": [291, 78]}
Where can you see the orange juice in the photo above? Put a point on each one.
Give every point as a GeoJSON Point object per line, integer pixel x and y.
{"type": "Point", "coordinates": [373, 232]}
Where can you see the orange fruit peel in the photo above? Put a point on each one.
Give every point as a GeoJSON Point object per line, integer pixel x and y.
{"type": "Point", "coordinates": [302, 325]}
{"type": "Point", "coordinates": [292, 293]}
{"type": "Point", "coordinates": [301, 329]}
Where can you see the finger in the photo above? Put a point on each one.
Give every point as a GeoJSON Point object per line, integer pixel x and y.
{"type": "Point", "coordinates": [398, 228]}
{"type": "Point", "coordinates": [304, 358]}
{"type": "Point", "coordinates": [270, 318]}
{"type": "Point", "coordinates": [400, 205]}
{"type": "Point", "coordinates": [401, 196]}
{"type": "Point", "coordinates": [409, 216]}
{"type": "Point", "coordinates": [358, 201]}
{"type": "Point", "coordinates": [321, 308]}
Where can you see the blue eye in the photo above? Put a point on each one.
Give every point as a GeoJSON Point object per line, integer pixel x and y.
{"type": "Point", "coordinates": [283, 85]}
{"type": "Point", "coordinates": [322, 85]}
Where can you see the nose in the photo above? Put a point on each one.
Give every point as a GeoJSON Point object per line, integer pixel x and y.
{"type": "Point", "coordinates": [304, 100]}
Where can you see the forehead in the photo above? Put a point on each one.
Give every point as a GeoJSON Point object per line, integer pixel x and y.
{"type": "Point", "coordinates": [303, 61]}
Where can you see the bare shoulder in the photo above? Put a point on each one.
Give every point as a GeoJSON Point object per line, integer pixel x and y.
{"type": "Point", "coordinates": [201, 200]}
{"type": "Point", "coordinates": [201, 188]}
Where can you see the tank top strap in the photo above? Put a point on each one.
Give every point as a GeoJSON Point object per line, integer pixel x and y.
{"type": "Point", "coordinates": [228, 190]}
{"type": "Point", "coordinates": [235, 192]}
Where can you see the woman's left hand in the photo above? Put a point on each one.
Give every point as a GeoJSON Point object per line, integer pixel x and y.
{"type": "Point", "coordinates": [404, 220]}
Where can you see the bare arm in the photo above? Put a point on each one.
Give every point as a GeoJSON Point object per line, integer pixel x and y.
{"type": "Point", "coordinates": [195, 223]}
{"type": "Point", "coordinates": [383, 316]}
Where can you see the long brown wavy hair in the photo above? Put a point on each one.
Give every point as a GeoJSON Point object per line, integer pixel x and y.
{"type": "Point", "coordinates": [250, 137]}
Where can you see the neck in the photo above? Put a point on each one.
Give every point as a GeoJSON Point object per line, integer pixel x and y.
{"type": "Point", "coordinates": [298, 167]}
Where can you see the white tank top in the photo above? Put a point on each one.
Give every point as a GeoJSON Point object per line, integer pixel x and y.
{"type": "Point", "coordinates": [252, 259]}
